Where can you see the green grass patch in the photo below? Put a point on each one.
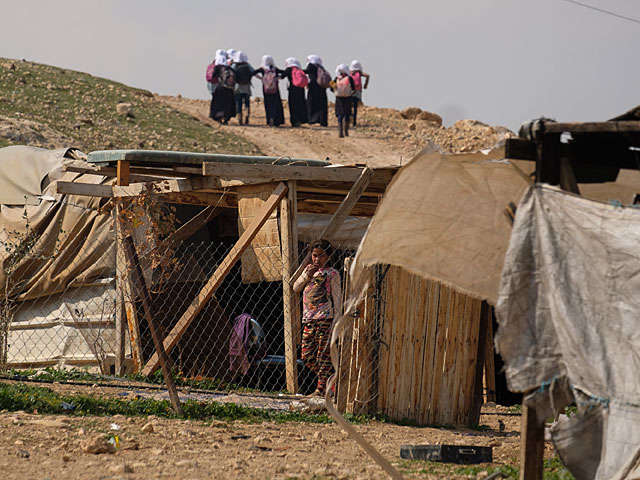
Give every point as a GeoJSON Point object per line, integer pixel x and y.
{"type": "Point", "coordinates": [83, 108]}
{"type": "Point", "coordinates": [19, 396]}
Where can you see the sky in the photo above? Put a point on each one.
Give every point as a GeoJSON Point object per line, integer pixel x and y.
{"type": "Point", "coordinates": [498, 61]}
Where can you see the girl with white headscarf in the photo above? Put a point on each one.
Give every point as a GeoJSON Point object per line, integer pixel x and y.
{"type": "Point", "coordinates": [212, 80]}
{"type": "Point", "coordinates": [343, 86]}
{"type": "Point", "coordinates": [355, 70]}
{"type": "Point", "coordinates": [270, 75]}
{"type": "Point", "coordinates": [223, 104]}
{"type": "Point", "coordinates": [244, 72]}
{"type": "Point", "coordinates": [319, 78]}
{"type": "Point", "coordinates": [298, 80]}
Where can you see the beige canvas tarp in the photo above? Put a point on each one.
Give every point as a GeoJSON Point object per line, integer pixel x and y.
{"type": "Point", "coordinates": [74, 243]}
{"type": "Point", "coordinates": [443, 217]}
{"type": "Point", "coordinates": [568, 310]}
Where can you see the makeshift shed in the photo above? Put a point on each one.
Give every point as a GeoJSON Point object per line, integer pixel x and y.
{"type": "Point", "coordinates": [265, 245]}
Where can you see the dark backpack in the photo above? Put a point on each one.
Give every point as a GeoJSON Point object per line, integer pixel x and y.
{"type": "Point", "coordinates": [228, 77]}
{"type": "Point", "coordinates": [243, 73]}
{"type": "Point", "coordinates": [323, 79]}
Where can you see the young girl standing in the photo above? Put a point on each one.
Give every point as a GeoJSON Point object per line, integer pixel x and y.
{"type": "Point", "coordinates": [343, 86]}
{"type": "Point", "coordinates": [357, 74]}
{"type": "Point", "coordinates": [270, 75]}
{"type": "Point", "coordinates": [321, 301]}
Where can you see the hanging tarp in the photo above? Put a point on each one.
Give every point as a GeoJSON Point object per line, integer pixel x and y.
{"type": "Point", "coordinates": [568, 310]}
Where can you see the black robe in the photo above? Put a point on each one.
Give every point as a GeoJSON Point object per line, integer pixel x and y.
{"type": "Point", "coordinates": [297, 102]}
{"type": "Point", "coordinates": [272, 102]}
{"type": "Point", "coordinates": [224, 102]}
{"type": "Point", "coordinates": [316, 98]}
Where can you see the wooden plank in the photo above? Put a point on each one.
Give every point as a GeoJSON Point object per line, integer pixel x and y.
{"type": "Point", "coordinates": [344, 343]}
{"type": "Point", "coordinates": [119, 347]}
{"type": "Point", "coordinates": [218, 276]}
{"type": "Point", "coordinates": [444, 306]}
{"type": "Point", "coordinates": [519, 149]}
{"type": "Point", "coordinates": [270, 173]}
{"type": "Point", "coordinates": [531, 444]}
{"type": "Point", "coordinates": [424, 417]}
{"type": "Point", "coordinates": [408, 310]}
{"type": "Point", "coordinates": [140, 289]}
{"type": "Point", "coordinates": [314, 206]}
{"type": "Point", "coordinates": [88, 189]}
{"type": "Point", "coordinates": [336, 191]}
{"type": "Point", "coordinates": [122, 173]}
{"type": "Point", "coordinates": [593, 127]}
{"type": "Point", "coordinates": [205, 199]}
{"type": "Point", "coordinates": [362, 403]}
{"type": "Point", "coordinates": [144, 173]}
{"type": "Point", "coordinates": [476, 394]}
{"type": "Point", "coordinates": [473, 364]}
{"type": "Point", "coordinates": [192, 226]}
{"type": "Point", "coordinates": [339, 216]}
{"type": "Point", "coordinates": [462, 354]}
{"type": "Point", "coordinates": [400, 294]}
{"type": "Point", "coordinates": [289, 241]}
{"type": "Point", "coordinates": [262, 261]}
{"type": "Point", "coordinates": [448, 373]}
{"type": "Point", "coordinates": [489, 362]}
{"type": "Point", "coordinates": [420, 344]}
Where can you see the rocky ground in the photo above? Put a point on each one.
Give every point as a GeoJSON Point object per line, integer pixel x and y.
{"type": "Point", "coordinates": [117, 447]}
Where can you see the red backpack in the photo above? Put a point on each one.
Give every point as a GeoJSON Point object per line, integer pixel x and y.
{"type": "Point", "coordinates": [323, 79]}
{"type": "Point", "coordinates": [270, 81]}
{"type": "Point", "coordinates": [209, 75]}
{"type": "Point", "coordinates": [299, 78]}
{"type": "Point", "coordinates": [357, 80]}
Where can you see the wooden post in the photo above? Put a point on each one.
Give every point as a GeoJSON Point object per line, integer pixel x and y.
{"type": "Point", "coordinates": [531, 444]}
{"type": "Point", "coordinates": [198, 303]}
{"type": "Point", "coordinates": [339, 216]}
{"type": "Point", "coordinates": [289, 240]}
{"type": "Point", "coordinates": [140, 287]}
{"type": "Point", "coordinates": [477, 394]}
{"type": "Point", "coordinates": [489, 363]}
{"type": "Point", "coordinates": [121, 179]}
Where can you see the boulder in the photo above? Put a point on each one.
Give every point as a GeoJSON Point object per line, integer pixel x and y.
{"type": "Point", "coordinates": [125, 109]}
{"type": "Point", "coordinates": [430, 117]}
{"type": "Point", "coordinates": [410, 113]}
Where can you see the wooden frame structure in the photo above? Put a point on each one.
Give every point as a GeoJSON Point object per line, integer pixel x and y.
{"type": "Point", "coordinates": [303, 186]}
{"type": "Point", "coordinates": [569, 154]}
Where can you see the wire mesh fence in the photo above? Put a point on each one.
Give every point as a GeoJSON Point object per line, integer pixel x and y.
{"type": "Point", "coordinates": [65, 306]}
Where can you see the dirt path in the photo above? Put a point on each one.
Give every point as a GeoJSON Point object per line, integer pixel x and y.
{"type": "Point", "coordinates": [377, 141]}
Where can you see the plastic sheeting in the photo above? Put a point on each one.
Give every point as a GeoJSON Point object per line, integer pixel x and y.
{"type": "Point", "coordinates": [568, 310]}
{"type": "Point", "coordinates": [74, 243]}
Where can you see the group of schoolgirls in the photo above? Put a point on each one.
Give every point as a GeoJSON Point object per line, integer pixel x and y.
{"type": "Point", "coordinates": [229, 80]}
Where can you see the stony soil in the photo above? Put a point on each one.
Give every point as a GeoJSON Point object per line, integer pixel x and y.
{"type": "Point", "coordinates": [38, 446]}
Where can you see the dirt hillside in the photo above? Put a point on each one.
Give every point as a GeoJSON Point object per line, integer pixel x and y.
{"type": "Point", "coordinates": [383, 136]}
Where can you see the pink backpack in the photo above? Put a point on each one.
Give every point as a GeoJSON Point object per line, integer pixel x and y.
{"type": "Point", "coordinates": [299, 78]}
{"type": "Point", "coordinates": [323, 79]}
{"type": "Point", "coordinates": [343, 87]}
{"type": "Point", "coordinates": [270, 81]}
{"type": "Point", "coordinates": [357, 79]}
{"type": "Point", "coordinates": [209, 75]}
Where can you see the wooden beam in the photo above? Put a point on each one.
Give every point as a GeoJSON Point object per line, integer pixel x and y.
{"type": "Point", "coordinates": [88, 189]}
{"type": "Point", "coordinates": [268, 173]}
{"type": "Point", "coordinates": [133, 177]}
{"type": "Point", "coordinates": [205, 199]}
{"type": "Point", "coordinates": [122, 174]}
{"type": "Point", "coordinates": [192, 226]}
{"type": "Point", "coordinates": [289, 242]}
{"type": "Point", "coordinates": [339, 216]}
{"type": "Point", "coordinates": [198, 304]}
{"type": "Point", "coordinates": [140, 288]}
{"type": "Point", "coordinates": [628, 126]}
{"type": "Point", "coordinates": [314, 206]}
{"type": "Point", "coordinates": [519, 149]}
{"type": "Point", "coordinates": [531, 444]}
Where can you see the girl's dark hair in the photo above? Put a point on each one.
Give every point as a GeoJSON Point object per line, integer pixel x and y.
{"type": "Point", "coordinates": [324, 245]}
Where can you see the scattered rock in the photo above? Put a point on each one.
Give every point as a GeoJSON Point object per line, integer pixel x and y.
{"type": "Point", "coordinates": [410, 113]}
{"type": "Point", "coordinates": [22, 453]}
{"type": "Point", "coordinates": [412, 126]}
{"type": "Point", "coordinates": [124, 109]}
{"type": "Point", "coordinates": [430, 117]}
{"type": "Point", "coordinates": [18, 443]}
{"type": "Point", "coordinates": [121, 468]}
{"type": "Point", "coordinates": [66, 457]}
{"type": "Point", "coordinates": [148, 428]}
{"type": "Point", "coordinates": [97, 445]}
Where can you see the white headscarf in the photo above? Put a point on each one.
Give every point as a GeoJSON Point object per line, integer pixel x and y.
{"type": "Point", "coordinates": [355, 66]}
{"type": "Point", "coordinates": [315, 59]}
{"type": "Point", "coordinates": [343, 68]}
{"type": "Point", "coordinates": [220, 52]}
{"type": "Point", "coordinates": [240, 57]}
{"type": "Point", "coordinates": [231, 53]}
{"type": "Point", "coordinates": [267, 62]}
{"type": "Point", "coordinates": [293, 62]}
{"type": "Point", "coordinates": [221, 59]}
